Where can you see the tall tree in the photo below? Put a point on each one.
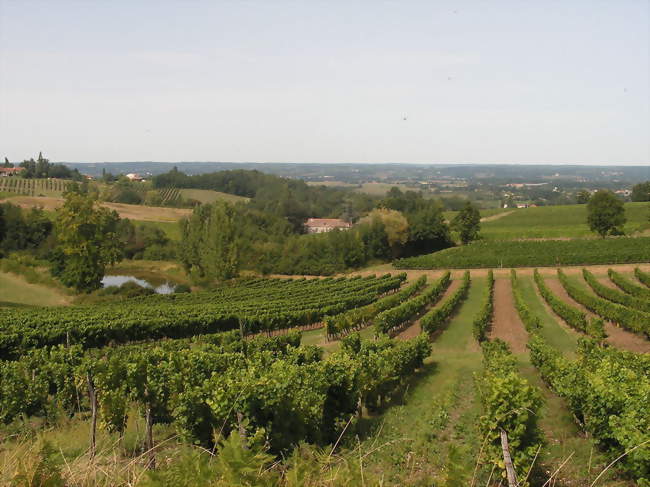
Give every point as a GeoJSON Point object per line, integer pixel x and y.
{"type": "Point", "coordinates": [7, 163]}
{"type": "Point", "coordinates": [428, 231]}
{"type": "Point", "coordinates": [606, 214]}
{"type": "Point", "coordinates": [641, 192]}
{"type": "Point", "coordinates": [209, 248]}
{"type": "Point", "coordinates": [395, 225]}
{"type": "Point", "coordinates": [87, 242]}
{"type": "Point", "coordinates": [467, 223]}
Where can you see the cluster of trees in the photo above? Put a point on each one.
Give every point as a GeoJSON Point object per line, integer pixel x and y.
{"type": "Point", "coordinates": [641, 192]}
{"type": "Point", "coordinates": [81, 241]}
{"type": "Point", "coordinates": [219, 240]}
{"type": "Point", "coordinates": [21, 229]}
{"type": "Point", "coordinates": [292, 199]}
{"type": "Point", "coordinates": [42, 168]}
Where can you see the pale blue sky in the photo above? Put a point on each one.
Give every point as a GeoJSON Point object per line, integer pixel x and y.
{"type": "Point", "coordinates": [326, 81]}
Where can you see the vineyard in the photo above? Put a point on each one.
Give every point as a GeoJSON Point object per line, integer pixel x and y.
{"type": "Point", "coordinates": [33, 187]}
{"type": "Point", "coordinates": [534, 253]}
{"type": "Point", "coordinates": [169, 196]}
{"type": "Point", "coordinates": [251, 370]}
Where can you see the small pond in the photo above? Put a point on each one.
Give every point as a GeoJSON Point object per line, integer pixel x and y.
{"type": "Point", "coordinates": [164, 288]}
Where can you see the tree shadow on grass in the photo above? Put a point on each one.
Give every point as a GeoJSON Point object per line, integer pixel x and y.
{"type": "Point", "coordinates": [371, 422]}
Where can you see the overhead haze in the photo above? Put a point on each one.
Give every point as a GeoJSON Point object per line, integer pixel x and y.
{"type": "Point", "coordinates": [413, 81]}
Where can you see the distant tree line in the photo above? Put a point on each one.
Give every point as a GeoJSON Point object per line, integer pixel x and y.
{"type": "Point", "coordinates": [42, 168]}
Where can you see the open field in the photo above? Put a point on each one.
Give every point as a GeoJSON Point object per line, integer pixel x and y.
{"type": "Point", "coordinates": [132, 212]}
{"type": "Point", "coordinates": [210, 196]}
{"type": "Point", "coordinates": [558, 222]}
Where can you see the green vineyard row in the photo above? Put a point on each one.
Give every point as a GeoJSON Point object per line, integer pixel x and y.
{"type": "Point", "coordinates": [534, 253]}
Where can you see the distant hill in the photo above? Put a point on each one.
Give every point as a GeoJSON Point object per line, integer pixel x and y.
{"type": "Point", "coordinates": [394, 172]}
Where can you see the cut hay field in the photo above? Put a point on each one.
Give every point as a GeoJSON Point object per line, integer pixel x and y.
{"type": "Point", "coordinates": [132, 212]}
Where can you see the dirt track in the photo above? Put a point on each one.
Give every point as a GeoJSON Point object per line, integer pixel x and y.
{"type": "Point", "coordinates": [616, 336]}
{"type": "Point", "coordinates": [506, 324]}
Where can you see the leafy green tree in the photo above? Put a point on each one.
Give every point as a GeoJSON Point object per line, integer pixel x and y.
{"type": "Point", "coordinates": [396, 227]}
{"type": "Point", "coordinates": [583, 197]}
{"type": "Point", "coordinates": [641, 192]}
{"type": "Point", "coordinates": [375, 239]}
{"type": "Point", "coordinates": [606, 214]}
{"type": "Point", "coordinates": [428, 231]}
{"type": "Point", "coordinates": [467, 223]}
{"type": "Point", "coordinates": [7, 163]}
{"type": "Point", "coordinates": [209, 248]}
{"type": "Point", "coordinates": [87, 242]}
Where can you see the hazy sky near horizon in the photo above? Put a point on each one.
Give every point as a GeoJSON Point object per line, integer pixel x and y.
{"type": "Point", "coordinates": [326, 81]}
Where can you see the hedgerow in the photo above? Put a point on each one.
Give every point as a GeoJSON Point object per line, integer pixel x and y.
{"type": "Point", "coordinates": [534, 253]}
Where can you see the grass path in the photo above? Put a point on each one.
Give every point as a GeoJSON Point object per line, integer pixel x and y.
{"type": "Point", "coordinates": [15, 290]}
{"type": "Point", "coordinates": [431, 438]}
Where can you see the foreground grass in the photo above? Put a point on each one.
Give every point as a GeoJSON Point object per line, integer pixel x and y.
{"type": "Point", "coordinates": [17, 291]}
{"type": "Point", "coordinates": [431, 436]}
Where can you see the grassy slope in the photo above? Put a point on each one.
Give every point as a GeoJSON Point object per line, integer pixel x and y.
{"type": "Point", "coordinates": [432, 436]}
{"type": "Point", "coordinates": [16, 290]}
{"type": "Point", "coordinates": [557, 222]}
{"type": "Point", "coordinates": [210, 196]}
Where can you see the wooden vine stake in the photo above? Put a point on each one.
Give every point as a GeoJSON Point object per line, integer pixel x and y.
{"type": "Point", "coordinates": [92, 396]}
{"type": "Point", "coordinates": [507, 461]}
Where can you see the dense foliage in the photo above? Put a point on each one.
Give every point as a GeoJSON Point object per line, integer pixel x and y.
{"type": "Point", "coordinates": [22, 229]}
{"type": "Point", "coordinates": [467, 223]}
{"type": "Point", "coordinates": [641, 192]}
{"type": "Point", "coordinates": [42, 168]}
{"type": "Point", "coordinates": [605, 213]}
{"type": "Point", "coordinates": [534, 253]}
{"type": "Point", "coordinates": [607, 390]}
{"type": "Point", "coordinates": [270, 389]}
{"type": "Point", "coordinates": [262, 305]}
{"type": "Point", "coordinates": [510, 404]}
{"type": "Point", "coordinates": [86, 242]}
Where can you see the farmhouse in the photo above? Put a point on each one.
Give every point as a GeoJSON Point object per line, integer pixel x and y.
{"type": "Point", "coordinates": [321, 225]}
{"type": "Point", "coordinates": [10, 171]}
{"type": "Point", "coordinates": [134, 177]}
